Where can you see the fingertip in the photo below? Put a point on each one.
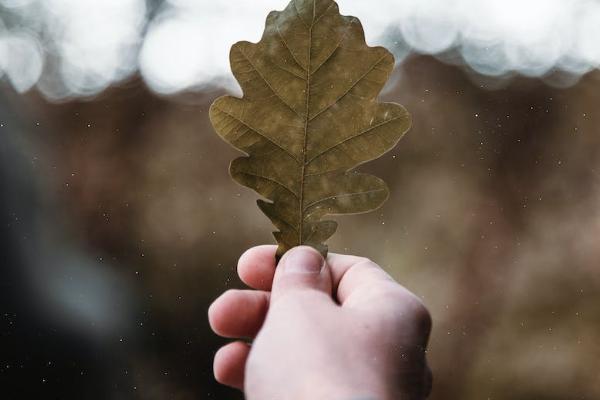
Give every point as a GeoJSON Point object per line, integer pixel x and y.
{"type": "Point", "coordinates": [215, 316]}
{"type": "Point", "coordinates": [256, 266]}
{"type": "Point", "coordinates": [229, 364]}
{"type": "Point", "coordinates": [238, 313]}
{"type": "Point", "coordinates": [220, 312]}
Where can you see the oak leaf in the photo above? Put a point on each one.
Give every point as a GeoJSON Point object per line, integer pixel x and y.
{"type": "Point", "coordinates": [308, 116]}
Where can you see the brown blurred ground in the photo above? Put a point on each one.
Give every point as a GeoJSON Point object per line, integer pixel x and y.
{"type": "Point", "coordinates": [493, 219]}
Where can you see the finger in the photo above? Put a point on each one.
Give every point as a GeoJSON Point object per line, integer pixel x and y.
{"type": "Point", "coordinates": [363, 276]}
{"type": "Point", "coordinates": [349, 273]}
{"type": "Point", "coordinates": [364, 285]}
{"type": "Point", "coordinates": [238, 313]}
{"type": "Point", "coordinates": [230, 363]}
{"type": "Point", "coordinates": [256, 267]}
{"type": "Point", "coordinates": [428, 382]}
{"type": "Point", "coordinates": [301, 268]}
{"type": "Point", "coordinates": [353, 275]}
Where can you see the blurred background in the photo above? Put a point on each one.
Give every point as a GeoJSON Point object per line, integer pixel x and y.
{"type": "Point", "coordinates": [119, 223]}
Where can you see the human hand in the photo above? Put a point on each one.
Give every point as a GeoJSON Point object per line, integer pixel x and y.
{"type": "Point", "coordinates": [341, 329]}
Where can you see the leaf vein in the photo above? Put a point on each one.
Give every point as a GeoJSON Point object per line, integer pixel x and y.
{"type": "Point", "coordinates": [298, 14]}
{"type": "Point", "coordinates": [337, 46]}
{"type": "Point", "coordinates": [269, 85]}
{"type": "Point", "coordinates": [349, 89]}
{"type": "Point", "coordinates": [352, 137]}
{"type": "Point", "coordinates": [324, 13]}
{"type": "Point", "coordinates": [266, 178]}
{"type": "Point", "coordinates": [260, 133]}
{"type": "Point", "coordinates": [285, 44]}
{"type": "Point", "coordinates": [314, 203]}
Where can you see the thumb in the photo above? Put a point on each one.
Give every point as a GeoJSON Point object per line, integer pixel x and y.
{"type": "Point", "coordinates": [301, 268]}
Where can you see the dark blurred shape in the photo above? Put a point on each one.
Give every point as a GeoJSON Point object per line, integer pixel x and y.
{"type": "Point", "coordinates": [59, 309]}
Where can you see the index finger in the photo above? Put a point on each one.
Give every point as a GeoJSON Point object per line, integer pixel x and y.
{"type": "Point", "coordinates": [256, 267]}
{"type": "Point", "coordinates": [353, 274]}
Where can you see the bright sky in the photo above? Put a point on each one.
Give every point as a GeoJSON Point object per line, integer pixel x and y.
{"type": "Point", "coordinates": [68, 48]}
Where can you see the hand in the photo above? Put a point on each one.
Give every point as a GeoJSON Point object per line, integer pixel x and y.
{"type": "Point", "coordinates": [336, 330]}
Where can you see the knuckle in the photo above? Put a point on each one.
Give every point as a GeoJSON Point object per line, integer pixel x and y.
{"type": "Point", "coordinates": [392, 291]}
{"type": "Point", "coordinates": [366, 265]}
{"type": "Point", "coordinates": [409, 308]}
{"type": "Point", "coordinates": [420, 315]}
{"type": "Point", "coordinates": [365, 262]}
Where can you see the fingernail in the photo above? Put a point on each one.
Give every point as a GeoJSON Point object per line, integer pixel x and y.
{"type": "Point", "coordinates": [303, 260]}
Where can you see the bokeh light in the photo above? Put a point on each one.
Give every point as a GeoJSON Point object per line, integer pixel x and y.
{"type": "Point", "coordinates": [183, 44]}
{"type": "Point", "coordinates": [21, 59]}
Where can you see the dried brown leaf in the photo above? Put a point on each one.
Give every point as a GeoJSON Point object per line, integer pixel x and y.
{"type": "Point", "coordinates": [309, 115]}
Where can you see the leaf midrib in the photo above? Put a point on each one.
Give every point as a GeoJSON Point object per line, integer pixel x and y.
{"type": "Point", "coordinates": [306, 122]}
{"type": "Point", "coordinates": [304, 162]}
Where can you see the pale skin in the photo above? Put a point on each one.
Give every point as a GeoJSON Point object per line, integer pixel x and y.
{"type": "Point", "coordinates": [335, 329]}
